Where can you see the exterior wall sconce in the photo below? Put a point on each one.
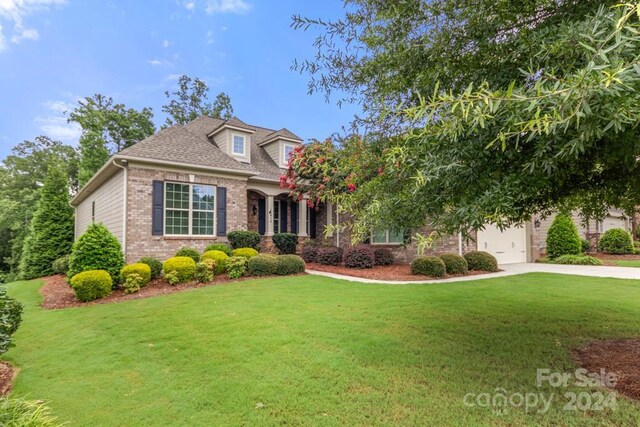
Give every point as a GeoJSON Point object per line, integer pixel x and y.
{"type": "Point", "coordinates": [254, 210]}
{"type": "Point", "coordinates": [536, 223]}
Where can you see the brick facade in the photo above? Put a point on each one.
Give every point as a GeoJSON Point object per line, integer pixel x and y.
{"type": "Point", "coordinates": [140, 241]}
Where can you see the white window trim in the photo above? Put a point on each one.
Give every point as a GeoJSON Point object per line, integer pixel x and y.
{"type": "Point", "coordinates": [276, 212]}
{"type": "Point", "coordinates": [284, 153]}
{"type": "Point", "coordinates": [386, 240]}
{"type": "Point", "coordinates": [190, 210]}
{"type": "Point", "coordinates": [244, 145]}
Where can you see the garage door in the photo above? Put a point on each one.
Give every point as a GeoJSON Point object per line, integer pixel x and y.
{"type": "Point", "coordinates": [508, 246]}
{"type": "Point", "coordinates": [613, 222]}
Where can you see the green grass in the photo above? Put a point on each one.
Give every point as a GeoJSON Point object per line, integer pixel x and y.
{"type": "Point", "coordinates": [316, 351]}
{"type": "Point", "coordinates": [627, 263]}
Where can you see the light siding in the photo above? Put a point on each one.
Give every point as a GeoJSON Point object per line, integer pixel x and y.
{"type": "Point", "coordinates": [273, 150]}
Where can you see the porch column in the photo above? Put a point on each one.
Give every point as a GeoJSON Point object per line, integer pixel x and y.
{"type": "Point", "coordinates": [329, 218]}
{"type": "Point", "coordinates": [302, 218]}
{"type": "Point", "coordinates": [269, 231]}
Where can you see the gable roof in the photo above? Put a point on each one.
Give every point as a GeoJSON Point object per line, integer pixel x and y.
{"type": "Point", "coordinates": [282, 133]}
{"type": "Point", "coordinates": [233, 123]}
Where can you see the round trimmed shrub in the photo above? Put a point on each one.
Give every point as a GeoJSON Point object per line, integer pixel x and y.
{"type": "Point", "coordinates": [481, 261]}
{"type": "Point", "coordinates": [577, 260]}
{"type": "Point", "coordinates": [92, 284]}
{"type": "Point", "coordinates": [97, 249]}
{"type": "Point", "coordinates": [141, 269]}
{"type": "Point", "coordinates": [154, 265]}
{"type": "Point", "coordinates": [61, 265]}
{"type": "Point", "coordinates": [309, 253]}
{"type": "Point", "coordinates": [454, 263]}
{"type": "Point", "coordinates": [616, 241]}
{"type": "Point", "coordinates": [329, 255]}
{"type": "Point", "coordinates": [359, 257]}
{"type": "Point", "coordinates": [285, 242]}
{"type": "Point", "coordinates": [219, 247]}
{"type": "Point", "coordinates": [383, 256]}
{"type": "Point", "coordinates": [247, 253]}
{"type": "Point", "coordinates": [219, 257]}
{"type": "Point", "coordinates": [263, 265]}
{"type": "Point", "coordinates": [563, 237]}
{"type": "Point", "coordinates": [428, 266]}
{"type": "Point", "coordinates": [183, 266]}
{"type": "Point", "coordinates": [190, 252]}
{"type": "Point", "coordinates": [289, 264]}
{"type": "Point", "coordinates": [244, 239]}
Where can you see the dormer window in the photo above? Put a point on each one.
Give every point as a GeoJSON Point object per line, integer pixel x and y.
{"type": "Point", "coordinates": [239, 146]}
{"type": "Point", "coordinates": [287, 149]}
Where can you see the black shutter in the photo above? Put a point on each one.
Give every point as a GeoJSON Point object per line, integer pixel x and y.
{"type": "Point", "coordinates": [262, 224]}
{"type": "Point", "coordinates": [222, 211]}
{"type": "Point", "coordinates": [283, 216]}
{"type": "Point", "coordinates": [157, 208]}
{"type": "Point", "coordinates": [294, 217]}
{"type": "Point", "coordinates": [312, 223]}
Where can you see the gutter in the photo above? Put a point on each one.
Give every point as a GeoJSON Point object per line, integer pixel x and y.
{"type": "Point", "coordinates": [124, 203]}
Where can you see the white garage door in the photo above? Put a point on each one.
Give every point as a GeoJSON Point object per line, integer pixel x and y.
{"type": "Point", "coordinates": [613, 222]}
{"type": "Point", "coordinates": [508, 246]}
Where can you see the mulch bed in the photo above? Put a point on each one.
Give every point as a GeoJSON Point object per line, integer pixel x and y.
{"type": "Point", "coordinates": [7, 373]}
{"type": "Point", "coordinates": [621, 357]}
{"type": "Point", "coordinates": [382, 272]}
{"type": "Point", "coordinates": [58, 294]}
{"type": "Point", "coordinates": [628, 257]}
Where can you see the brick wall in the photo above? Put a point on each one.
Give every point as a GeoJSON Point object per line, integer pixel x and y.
{"type": "Point", "coordinates": [140, 241]}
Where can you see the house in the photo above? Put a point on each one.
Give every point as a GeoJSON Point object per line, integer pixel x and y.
{"type": "Point", "coordinates": [189, 185]}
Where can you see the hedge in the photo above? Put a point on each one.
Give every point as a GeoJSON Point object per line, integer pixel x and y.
{"type": "Point", "coordinates": [329, 255]}
{"type": "Point", "coordinates": [481, 261]}
{"type": "Point", "coordinates": [155, 266]}
{"type": "Point", "coordinates": [244, 239]}
{"type": "Point", "coordinates": [289, 264]}
{"type": "Point", "coordinates": [577, 260]}
{"type": "Point", "coordinates": [428, 266]}
{"type": "Point", "coordinates": [454, 263]}
{"type": "Point", "coordinates": [383, 256]}
{"type": "Point", "coordinates": [219, 247]}
{"type": "Point", "coordinates": [285, 242]}
{"type": "Point", "coordinates": [359, 257]}
{"type": "Point", "coordinates": [184, 268]}
{"type": "Point", "coordinates": [91, 285]}
{"type": "Point", "coordinates": [263, 265]}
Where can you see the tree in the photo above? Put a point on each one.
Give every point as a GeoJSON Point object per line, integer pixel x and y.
{"type": "Point", "coordinates": [107, 128]}
{"type": "Point", "coordinates": [50, 233]}
{"type": "Point", "coordinates": [534, 116]}
{"type": "Point", "coordinates": [190, 101]}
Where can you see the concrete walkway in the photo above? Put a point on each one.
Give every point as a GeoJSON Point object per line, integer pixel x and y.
{"type": "Point", "coordinates": [511, 270]}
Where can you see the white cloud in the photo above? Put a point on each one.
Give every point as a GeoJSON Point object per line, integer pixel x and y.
{"type": "Point", "coordinates": [157, 62]}
{"type": "Point", "coordinates": [54, 124]}
{"type": "Point", "coordinates": [25, 34]}
{"type": "Point", "coordinates": [166, 43]}
{"type": "Point", "coordinates": [228, 6]}
{"type": "Point", "coordinates": [210, 39]}
{"type": "Point", "coordinates": [15, 11]}
{"type": "Point", "coordinates": [189, 5]}
{"type": "Point", "coordinates": [3, 43]}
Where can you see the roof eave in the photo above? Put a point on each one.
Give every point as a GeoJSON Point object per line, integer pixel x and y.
{"type": "Point", "coordinates": [223, 127]}
{"type": "Point", "coordinates": [284, 138]}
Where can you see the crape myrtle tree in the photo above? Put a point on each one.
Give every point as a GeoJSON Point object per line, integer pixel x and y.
{"type": "Point", "coordinates": [478, 111]}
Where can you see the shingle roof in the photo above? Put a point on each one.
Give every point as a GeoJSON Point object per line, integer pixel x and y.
{"type": "Point", "coordinates": [234, 122]}
{"type": "Point", "coordinates": [284, 133]}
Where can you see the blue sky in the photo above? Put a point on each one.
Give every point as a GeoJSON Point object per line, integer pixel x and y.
{"type": "Point", "coordinates": [54, 52]}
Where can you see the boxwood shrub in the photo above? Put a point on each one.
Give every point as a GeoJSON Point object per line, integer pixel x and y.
{"type": "Point", "coordinates": [563, 237]}
{"type": "Point", "coordinates": [359, 257]}
{"type": "Point", "coordinates": [244, 239]}
{"type": "Point", "coordinates": [383, 256]}
{"type": "Point", "coordinates": [61, 265]}
{"type": "Point", "coordinates": [454, 263]}
{"type": "Point", "coordinates": [247, 253]}
{"type": "Point", "coordinates": [263, 265]}
{"type": "Point", "coordinates": [289, 264]}
{"type": "Point", "coordinates": [481, 261]}
{"type": "Point", "coordinates": [577, 260]}
{"type": "Point", "coordinates": [139, 268]}
{"type": "Point", "coordinates": [285, 242]}
{"type": "Point", "coordinates": [329, 255]}
{"type": "Point", "coordinates": [616, 241]}
{"type": "Point", "coordinates": [219, 247]}
{"type": "Point", "coordinates": [92, 284]}
{"type": "Point", "coordinates": [219, 257]}
{"type": "Point", "coordinates": [190, 252]}
{"type": "Point", "coordinates": [97, 249]}
{"type": "Point", "coordinates": [184, 268]}
{"type": "Point", "coordinates": [154, 265]}
{"type": "Point", "coordinates": [428, 266]}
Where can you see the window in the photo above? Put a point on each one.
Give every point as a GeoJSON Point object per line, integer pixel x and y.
{"type": "Point", "coordinates": [387, 237]}
{"type": "Point", "coordinates": [189, 209]}
{"type": "Point", "coordinates": [238, 145]}
{"type": "Point", "coordinates": [276, 216]}
{"type": "Point", "coordinates": [287, 150]}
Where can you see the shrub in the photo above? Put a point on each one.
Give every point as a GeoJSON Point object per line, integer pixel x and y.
{"type": "Point", "coordinates": [244, 239]}
{"type": "Point", "coordinates": [183, 266]}
{"type": "Point", "coordinates": [263, 265]}
{"type": "Point", "coordinates": [10, 319]}
{"type": "Point", "coordinates": [154, 265]}
{"type": "Point", "coordinates": [428, 266]}
{"type": "Point", "coordinates": [205, 271]}
{"type": "Point", "coordinates": [61, 265]}
{"type": "Point", "coordinates": [219, 257]}
{"type": "Point", "coordinates": [329, 255]}
{"type": "Point", "coordinates": [577, 260]}
{"type": "Point", "coordinates": [190, 252]}
{"type": "Point", "coordinates": [563, 237]}
{"type": "Point", "coordinates": [97, 249]}
{"type": "Point", "coordinates": [21, 412]}
{"type": "Point", "coordinates": [586, 246]}
{"type": "Point", "coordinates": [171, 277]}
{"type": "Point", "coordinates": [237, 266]}
{"type": "Point", "coordinates": [309, 253]}
{"type": "Point", "coordinates": [286, 242]}
{"type": "Point", "coordinates": [482, 261]}
{"type": "Point", "coordinates": [615, 241]}
{"type": "Point", "coordinates": [359, 257]}
{"type": "Point", "coordinates": [289, 264]}
{"type": "Point", "coordinates": [132, 283]}
{"type": "Point", "coordinates": [636, 251]}
{"type": "Point", "coordinates": [383, 256]}
{"type": "Point", "coordinates": [247, 253]}
{"type": "Point", "coordinates": [92, 284]}
{"type": "Point", "coordinates": [219, 247]}
{"type": "Point", "coordinates": [454, 263]}
{"type": "Point", "coordinates": [141, 269]}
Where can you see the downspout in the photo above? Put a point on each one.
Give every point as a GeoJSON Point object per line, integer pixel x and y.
{"type": "Point", "coordinates": [124, 205]}
{"type": "Point", "coordinates": [459, 243]}
{"type": "Point", "coordinates": [337, 226]}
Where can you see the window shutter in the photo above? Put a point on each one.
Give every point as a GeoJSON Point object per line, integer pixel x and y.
{"type": "Point", "coordinates": [222, 211]}
{"type": "Point", "coordinates": [157, 208]}
{"type": "Point", "coordinates": [283, 216]}
{"type": "Point", "coordinates": [312, 223]}
{"type": "Point", "coordinates": [294, 217]}
{"type": "Point", "coordinates": [262, 210]}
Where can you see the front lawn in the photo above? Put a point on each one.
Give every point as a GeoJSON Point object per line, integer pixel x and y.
{"type": "Point", "coordinates": [317, 351]}
{"type": "Point", "coordinates": [627, 263]}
